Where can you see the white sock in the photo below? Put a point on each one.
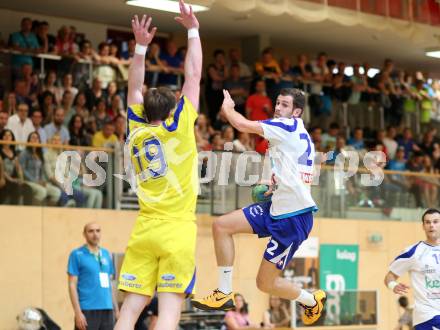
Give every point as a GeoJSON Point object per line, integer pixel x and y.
{"type": "Point", "coordinates": [306, 298]}
{"type": "Point", "coordinates": [225, 279]}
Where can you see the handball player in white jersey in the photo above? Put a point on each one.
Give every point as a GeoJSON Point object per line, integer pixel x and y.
{"type": "Point", "coordinates": [422, 262]}
{"type": "Point", "coordinates": [287, 219]}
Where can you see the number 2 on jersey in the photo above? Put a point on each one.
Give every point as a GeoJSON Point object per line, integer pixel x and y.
{"type": "Point", "coordinates": [153, 157]}
{"type": "Point", "coordinates": [304, 158]}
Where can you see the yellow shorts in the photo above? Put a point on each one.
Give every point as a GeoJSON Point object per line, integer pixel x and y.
{"type": "Point", "coordinates": [160, 256]}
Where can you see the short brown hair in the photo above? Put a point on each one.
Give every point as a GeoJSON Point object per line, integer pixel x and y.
{"type": "Point", "coordinates": [158, 103]}
{"type": "Point", "coordinates": [298, 96]}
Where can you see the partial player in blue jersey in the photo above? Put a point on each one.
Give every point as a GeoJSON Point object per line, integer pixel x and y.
{"type": "Point", "coordinates": [287, 219]}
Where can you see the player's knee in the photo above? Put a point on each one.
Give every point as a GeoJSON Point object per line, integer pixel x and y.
{"type": "Point", "coordinates": [263, 284]}
{"type": "Point", "coordinates": [219, 225]}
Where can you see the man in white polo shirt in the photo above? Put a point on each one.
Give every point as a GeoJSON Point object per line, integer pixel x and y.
{"type": "Point", "coordinates": [422, 262]}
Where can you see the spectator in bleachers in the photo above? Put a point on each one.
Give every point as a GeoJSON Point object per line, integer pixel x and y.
{"type": "Point", "coordinates": [45, 40]}
{"type": "Point", "coordinates": [398, 164]}
{"type": "Point", "coordinates": [357, 141]}
{"type": "Point", "coordinates": [50, 84]}
{"type": "Point", "coordinates": [339, 148]}
{"type": "Point", "coordinates": [57, 126]}
{"type": "Point", "coordinates": [341, 84]}
{"type": "Point", "coordinates": [235, 59]}
{"type": "Point", "coordinates": [10, 103]}
{"type": "Point", "coordinates": [13, 173]}
{"type": "Point", "coordinates": [238, 88]}
{"type": "Point", "coordinates": [277, 316]}
{"type": "Point", "coordinates": [120, 128]}
{"type": "Point", "coordinates": [427, 145]}
{"type": "Point", "coordinates": [128, 54]}
{"type": "Point", "coordinates": [329, 138]}
{"type": "Point", "coordinates": [94, 94]}
{"type": "Point", "coordinates": [105, 137]}
{"type": "Point", "coordinates": [316, 135]}
{"type": "Point", "coordinates": [22, 93]}
{"type": "Point", "coordinates": [359, 86]}
{"type": "Point", "coordinates": [238, 318]}
{"type": "Point", "coordinates": [174, 64]}
{"type": "Point", "coordinates": [217, 142]}
{"type": "Point", "coordinates": [31, 81]}
{"type": "Point", "coordinates": [80, 105]}
{"type": "Point", "coordinates": [112, 90]}
{"type": "Point", "coordinates": [78, 133]}
{"type": "Point", "coordinates": [203, 131]}
{"type": "Point", "coordinates": [287, 76]}
{"type": "Point", "coordinates": [91, 125]}
{"type": "Point", "coordinates": [259, 105]}
{"type": "Point", "coordinates": [114, 51]}
{"type": "Point", "coordinates": [303, 70]}
{"type": "Point", "coordinates": [37, 120]}
{"type": "Point", "coordinates": [24, 41]}
{"type": "Point", "coordinates": [269, 70]}
{"type": "Point", "coordinates": [47, 106]}
{"type": "Point", "coordinates": [243, 143]}
{"type": "Point", "coordinates": [67, 105]}
{"type": "Point", "coordinates": [415, 164]}
{"type": "Point", "coordinates": [430, 184]}
{"type": "Point", "coordinates": [407, 142]}
{"type": "Point", "coordinates": [32, 163]}
{"type": "Point", "coordinates": [50, 161]}
{"type": "Point", "coordinates": [67, 86]}
{"type": "Point", "coordinates": [20, 124]}
{"type": "Point", "coordinates": [105, 72]}
{"type": "Point", "coordinates": [154, 65]}
{"type": "Point", "coordinates": [390, 142]}
{"type": "Point", "coordinates": [4, 116]}
{"type": "Point", "coordinates": [81, 70]}
{"type": "Point", "coordinates": [65, 45]}
{"type": "Point", "coordinates": [100, 114]}
{"type": "Point", "coordinates": [116, 107]}
{"type": "Point", "coordinates": [216, 75]}
{"type": "Point", "coordinates": [228, 134]}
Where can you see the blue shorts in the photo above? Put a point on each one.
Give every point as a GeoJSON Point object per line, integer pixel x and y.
{"type": "Point", "coordinates": [286, 234]}
{"type": "Point", "coordinates": [429, 325]}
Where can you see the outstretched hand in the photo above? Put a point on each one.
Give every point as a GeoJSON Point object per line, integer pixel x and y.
{"type": "Point", "coordinates": [228, 102]}
{"type": "Point", "coordinates": [141, 31]}
{"type": "Point", "coordinates": [401, 289]}
{"type": "Point", "coordinates": [187, 17]}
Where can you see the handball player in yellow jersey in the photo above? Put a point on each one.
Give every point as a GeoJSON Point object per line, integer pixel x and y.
{"type": "Point", "coordinates": [160, 254]}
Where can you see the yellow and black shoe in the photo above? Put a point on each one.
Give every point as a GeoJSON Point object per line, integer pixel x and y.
{"type": "Point", "coordinates": [215, 301]}
{"type": "Point", "coordinates": [313, 314]}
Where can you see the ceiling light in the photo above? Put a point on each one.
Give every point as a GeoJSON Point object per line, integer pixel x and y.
{"type": "Point", "coordinates": [433, 53]}
{"type": "Point", "coordinates": [164, 5]}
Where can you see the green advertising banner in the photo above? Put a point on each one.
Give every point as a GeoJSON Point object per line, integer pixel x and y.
{"type": "Point", "coordinates": [338, 272]}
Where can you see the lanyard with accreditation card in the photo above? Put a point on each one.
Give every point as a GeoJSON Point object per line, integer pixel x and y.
{"type": "Point", "coordinates": [103, 276]}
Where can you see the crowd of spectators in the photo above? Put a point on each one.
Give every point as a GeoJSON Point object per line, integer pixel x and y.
{"type": "Point", "coordinates": [71, 105]}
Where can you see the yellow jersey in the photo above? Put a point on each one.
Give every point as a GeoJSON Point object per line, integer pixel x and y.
{"type": "Point", "coordinates": [165, 162]}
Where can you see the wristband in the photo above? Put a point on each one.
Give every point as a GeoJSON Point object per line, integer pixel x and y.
{"type": "Point", "coordinates": [391, 285]}
{"type": "Point", "coordinates": [140, 49]}
{"type": "Point", "coordinates": [193, 33]}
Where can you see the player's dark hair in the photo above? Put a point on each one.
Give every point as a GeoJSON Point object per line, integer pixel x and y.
{"type": "Point", "coordinates": [158, 103]}
{"type": "Point", "coordinates": [298, 96]}
{"type": "Point", "coordinates": [429, 211]}
{"type": "Point", "coordinates": [403, 302]}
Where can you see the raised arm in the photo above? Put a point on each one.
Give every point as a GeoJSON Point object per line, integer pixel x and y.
{"type": "Point", "coordinates": [236, 119]}
{"type": "Point", "coordinates": [136, 73]}
{"type": "Point", "coordinates": [194, 58]}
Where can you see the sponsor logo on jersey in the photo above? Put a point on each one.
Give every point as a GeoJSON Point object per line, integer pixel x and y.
{"type": "Point", "coordinates": [170, 285]}
{"type": "Point", "coordinates": [128, 277]}
{"type": "Point", "coordinates": [168, 277]}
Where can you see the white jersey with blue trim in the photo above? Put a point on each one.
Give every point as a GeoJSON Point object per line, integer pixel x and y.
{"type": "Point", "coordinates": [292, 155]}
{"type": "Point", "coordinates": [422, 261]}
